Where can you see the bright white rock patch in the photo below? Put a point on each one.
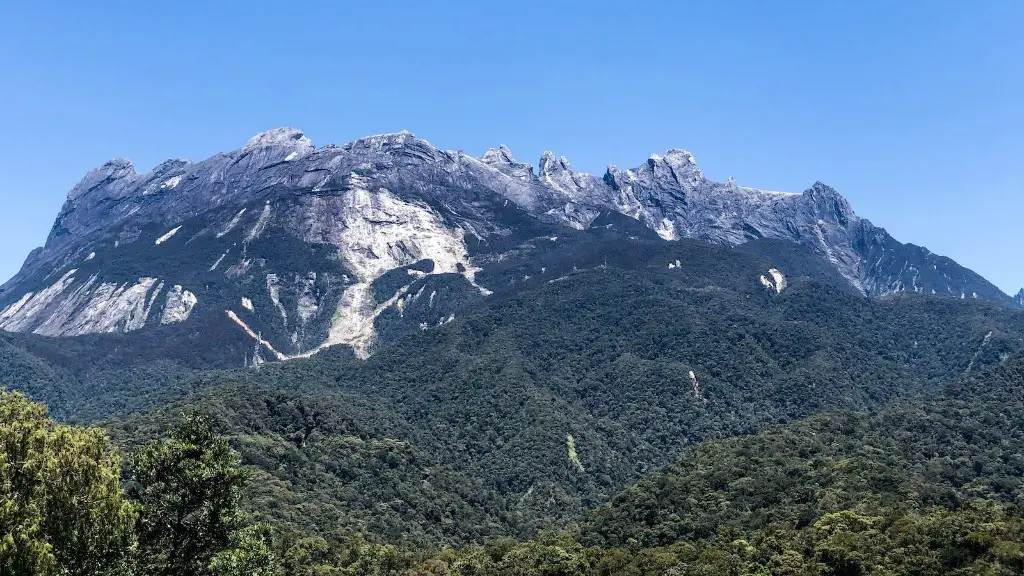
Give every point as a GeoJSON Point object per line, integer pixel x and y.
{"type": "Point", "coordinates": [70, 308]}
{"type": "Point", "coordinates": [170, 182]}
{"type": "Point", "coordinates": [777, 282]}
{"type": "Point", "coordinates": [167, 236]}
{"type": "Point", "coordinates": [667, 230]}
{"type": "Point", "coordinates": [780, 280]}
{"type": "Point", "coordinates": [375, 232]}
{"type": "Point", "coordinates": [179, 305]}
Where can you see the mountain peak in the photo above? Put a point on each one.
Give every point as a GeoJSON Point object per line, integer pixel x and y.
{"type": "Point", "coordinates": [118, 162]}
{"type": "Point", "coordinates": [388, 139]}
{"type": "Point", "coordinates": [504, 161]}
{"type": "Point", "coordinates": [551, 164]}
{"type": "Point", "coordinates": [115, 169]}
{"type": "Point", "coordinates": [1020, 297]}
{"type": "Point", "coordinates": [171, 165]}
{"type": "Point", "coordinates": [503, 155]}
{"type": "Point", "coordinates": [279, 137]}
{"type": "Point", "coordinates": [681, 156]}
{"type": "Point", "coordinates": [683, 166]}
{"type": "Point", "coordinates": [832, 203]}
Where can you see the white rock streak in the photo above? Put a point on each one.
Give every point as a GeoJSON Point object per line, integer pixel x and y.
{"type": "Point", "coordinates": [274, 289]}
{"type": "Point", "coordinates": [106, 308]}
{"type": "Point", "coordinates": [91, 307]}
{"type": "Point", "coordinates": [307, 305]}
{"type": "Point", "coordinates": [231, 225]}
{"type": "Point", "coordinates": [234, 318]}
{"type": "Point", "coordinates": [261, 224]}
{"type": "Point", "coordinates": [12, 310]}
{"type": "Point", "coordinates": [217, 263]}
{"type": "Point", "coordinates": [70, 308]}
{"type": "Point", "coordinates": [23, 314]}
{"type": "Point", "coordinates": [167, 236]}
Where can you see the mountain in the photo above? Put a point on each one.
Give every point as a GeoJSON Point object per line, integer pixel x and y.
{"type": "Point", "coordinates": [462, 432]}
{"type": "Point", "coordinates": [293, 248]}
{"type": "Point", "coordinates": [523, 353]}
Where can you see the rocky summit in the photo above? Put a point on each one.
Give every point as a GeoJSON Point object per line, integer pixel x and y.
{"type": "Point", "coordinates": [300, 248]}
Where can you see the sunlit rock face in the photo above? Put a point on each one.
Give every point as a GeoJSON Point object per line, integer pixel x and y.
{"type": "Point", "coordinates": [310, 247]}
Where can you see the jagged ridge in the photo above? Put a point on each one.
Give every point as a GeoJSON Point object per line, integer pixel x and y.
{"type": "Point", "coordinates": [380, 204]}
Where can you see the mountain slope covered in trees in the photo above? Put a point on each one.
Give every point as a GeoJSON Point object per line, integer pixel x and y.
{"type": "Point", "coordinates": [930, 485]}
{"type": "Point", "coordinates": [462, 433]}
{"type": "Point", "coordinates": [788, 409]}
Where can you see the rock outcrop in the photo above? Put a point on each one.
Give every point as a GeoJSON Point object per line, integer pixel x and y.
{"type": "Point", "coordinates": [320, 242]}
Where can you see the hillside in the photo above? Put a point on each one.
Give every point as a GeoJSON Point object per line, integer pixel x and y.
{"type": "Point", "coordinates": [465, 428]}
{"type": "Point", "coordinates": [549, 399]}
{"type": "Point", "coordinates": [929, 486]}
{"type": "Point", "coordinates": [947, 449]}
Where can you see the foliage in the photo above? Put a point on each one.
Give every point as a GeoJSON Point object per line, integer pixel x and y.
{"type": "Point", "coordinates": [459, 434]}
{"type": "Point", "coordinates": [824, 436]}
{"type": "Point", "coordinates": [251, 554]}
{"type": "Point", "coordinates": [941, 450]}
{"type": "Point", "coordinates": [187, 487]}
{"type": "Point", "coordinates": [61, 505]}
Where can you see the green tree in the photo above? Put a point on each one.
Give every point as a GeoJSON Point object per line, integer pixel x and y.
{"type": "Point", "coordinates": [251, 554]}
{"type": "Point", "coordinates": [62, 509]}
{"type": "Point", "coordinates": [188, 486]}
{"type": "Point", "coordinates": [551, 554]}
{"type": "Point", "coordinates": [311, 556]}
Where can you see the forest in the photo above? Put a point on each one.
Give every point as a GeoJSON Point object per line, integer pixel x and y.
{"type": "Point", "coordinates": [933, 485]}
{"type": "Point", "coordinates": [622, 418]}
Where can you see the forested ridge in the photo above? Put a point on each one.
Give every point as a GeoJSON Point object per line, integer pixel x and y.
{"type": "Point", "coordinates": [930, 485]}
{"type": "Point", "coordinates": [623, 417]}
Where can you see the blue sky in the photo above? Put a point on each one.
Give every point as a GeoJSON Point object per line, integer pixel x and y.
{"type": "Point", "coordinates": [914, 111]}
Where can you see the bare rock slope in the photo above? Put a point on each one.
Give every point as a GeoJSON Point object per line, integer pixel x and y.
{"type": "Point", "coordinates": [302, 247]}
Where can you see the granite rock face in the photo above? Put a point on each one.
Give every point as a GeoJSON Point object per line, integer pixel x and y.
{"type": "Point", "coordinates": [320, 243]}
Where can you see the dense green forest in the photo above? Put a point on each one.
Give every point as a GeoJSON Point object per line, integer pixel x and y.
{"type": "Point", "coordinates": [933, 485]}
{"type": "Point", "coordinates": [618, 417]}
{"type": "Point", "coordinates": [462, 433]}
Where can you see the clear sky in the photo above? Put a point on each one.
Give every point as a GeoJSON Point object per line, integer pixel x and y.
{"type": "Point", "coordinates": [913, 110]}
